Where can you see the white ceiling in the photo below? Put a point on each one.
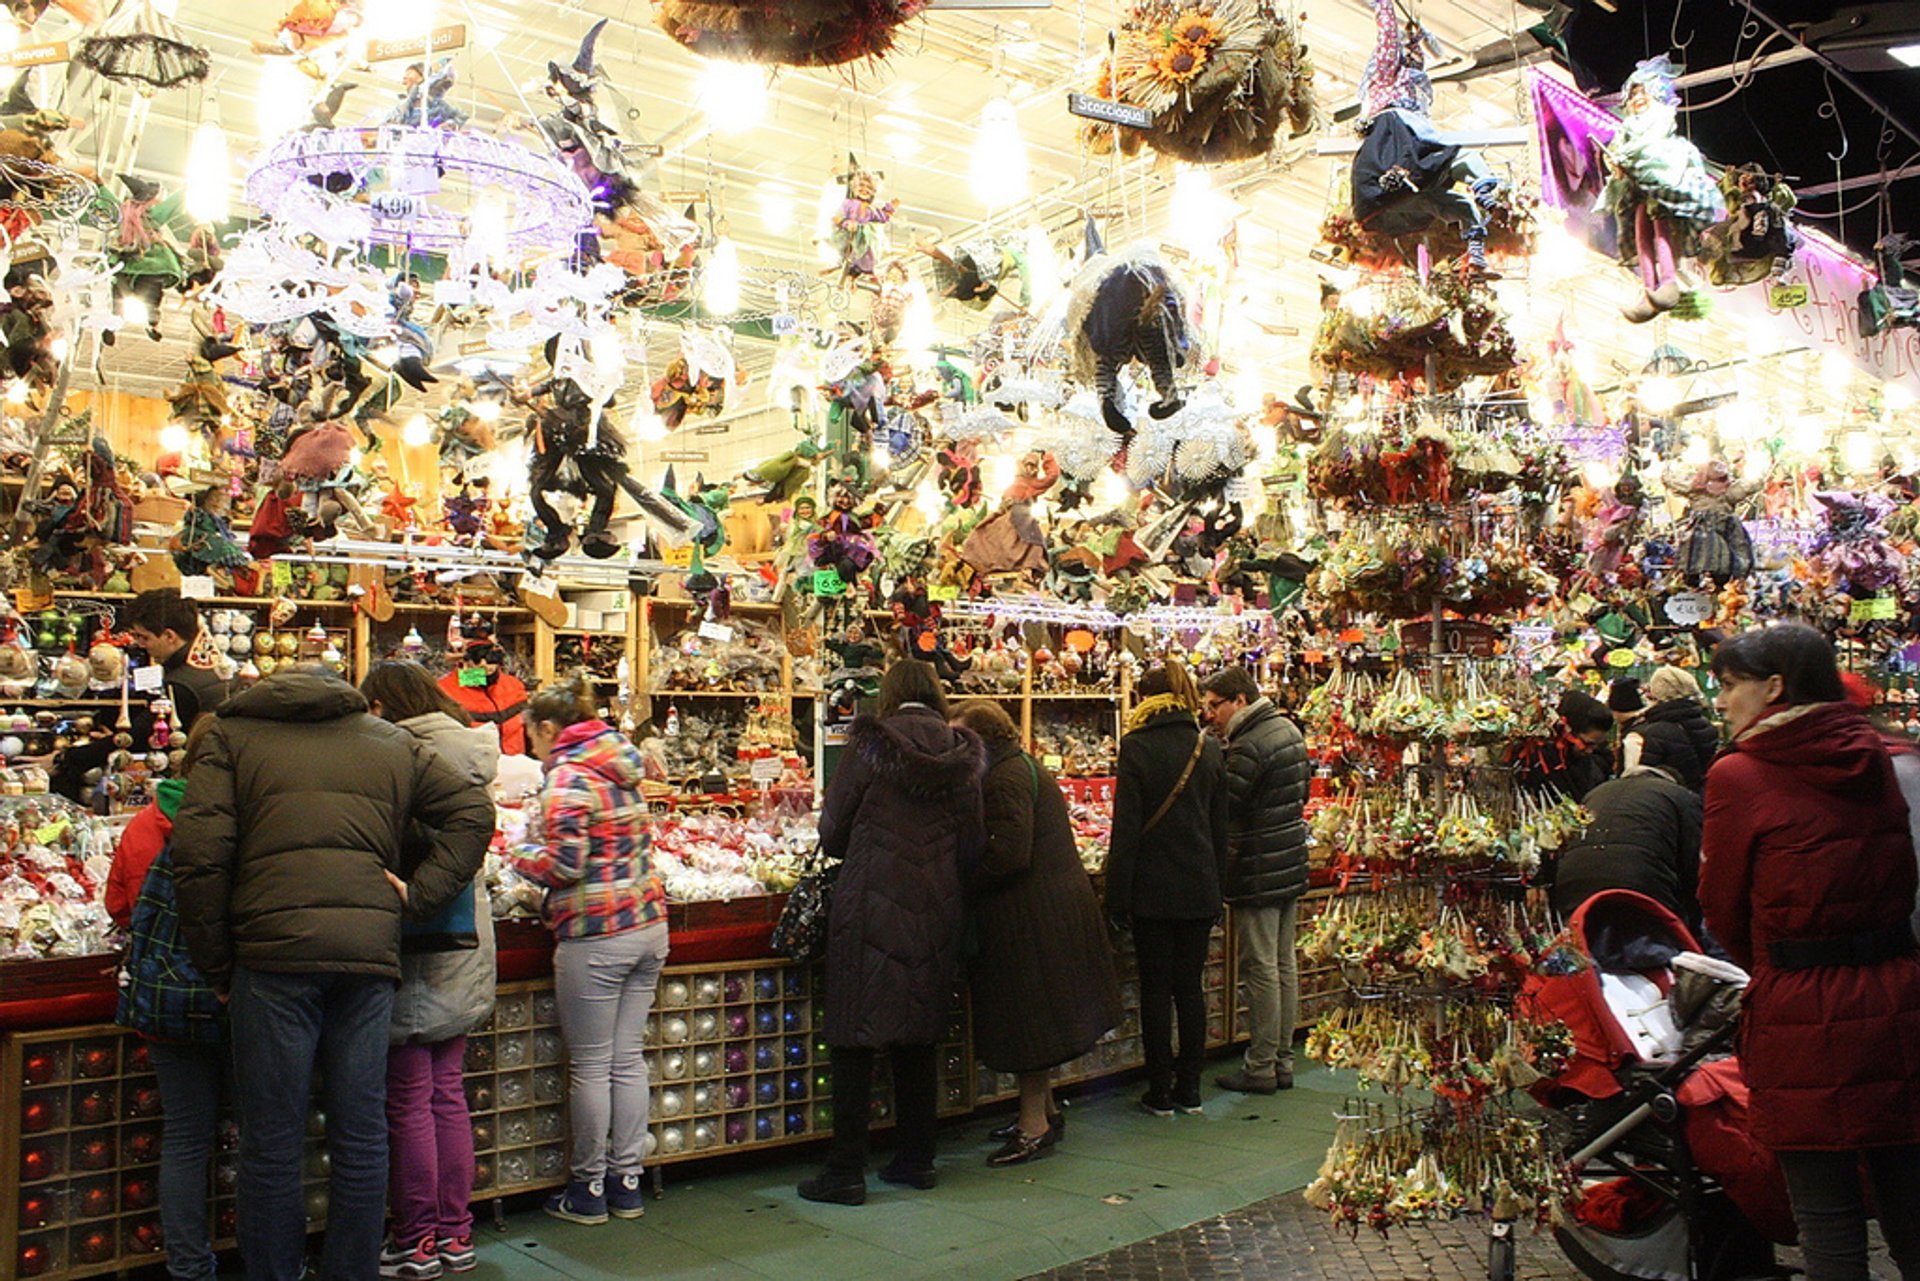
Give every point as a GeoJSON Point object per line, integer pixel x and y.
{"type": "Point", "coordinates": [913, 115]}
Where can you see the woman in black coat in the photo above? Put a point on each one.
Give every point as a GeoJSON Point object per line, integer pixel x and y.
{"type": "Point", "coordinates": [1043, 981]}
{"type": "Point", "coordinates": [1676, 701]}
{"type": "Point", "coordinates": [902, 812]}
{"type": "Point", "coordinates": [1165, 866]}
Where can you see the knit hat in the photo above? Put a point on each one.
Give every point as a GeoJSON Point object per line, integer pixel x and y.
{"type": "Point", "coordinates": [1624, 696]}
{"type": "Point", "coordinates": [1672, 682]}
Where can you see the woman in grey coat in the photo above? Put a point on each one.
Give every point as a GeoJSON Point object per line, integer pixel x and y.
{"type": "Point", "coordinates": [446, 991]}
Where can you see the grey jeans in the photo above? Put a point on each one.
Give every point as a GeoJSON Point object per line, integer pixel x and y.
{"type": "Point", "coordinates": [1270, 969]}
{"type": "Point", "coordinates": [605, 987]}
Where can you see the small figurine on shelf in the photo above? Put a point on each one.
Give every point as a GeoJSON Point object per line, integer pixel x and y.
{"type": "Point", "coordinates": [1660, 192]}
{"type": "Point", "coordinates": [860, 225]}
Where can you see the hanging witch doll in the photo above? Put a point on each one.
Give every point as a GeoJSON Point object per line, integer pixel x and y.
{"type": "Point", "coordinates": [1122, 308]}
{"type": "Point", "coordinates": [1659, 193]}
{"type": "Point", "coordinates": [1715, 545]}
{"type": "Point", "coordinates": [860, 224]}
{"type": "Point", "coordinates": [204, 543]}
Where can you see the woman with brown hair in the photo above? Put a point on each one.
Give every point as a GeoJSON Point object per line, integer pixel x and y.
{"type": "Point", "coordinates": [1043, 982]}
{"type": "Point", "coordinates": [902, 814]}
{"type": "Point", "coordinates": [1165, 867]}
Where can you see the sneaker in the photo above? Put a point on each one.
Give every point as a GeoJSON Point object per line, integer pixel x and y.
{"type": "Point", "coordinates": [1186, 1098]}
{"type": "Point", "coordinates": [580, 1203]}
{"type": "Point", "coordinates": [417, 1262]}
{"type": "Point", "coordinates": [1157, 1103]}
{"type": "Point", "coordinates": [457, 1255]}
{"type": "Point", "coordinates": [626, 1197]}
{"type": "Point", "coordinates": [1245, 1082]}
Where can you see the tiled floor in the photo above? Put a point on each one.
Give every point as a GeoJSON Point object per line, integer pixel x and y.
{"type": "Point", "coordinates": [1121, 1177]}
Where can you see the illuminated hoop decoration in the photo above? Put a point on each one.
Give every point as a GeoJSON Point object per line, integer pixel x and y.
{"type": "Point", "coordinates": [546, 204]}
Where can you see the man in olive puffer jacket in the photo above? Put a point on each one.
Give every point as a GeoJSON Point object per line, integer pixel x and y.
{"type": "Point", "coordinates": [1266, 792]}
{"type": "Point", "coordinates": [285, 848]}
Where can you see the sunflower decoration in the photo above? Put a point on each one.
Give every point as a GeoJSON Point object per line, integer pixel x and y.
{"type": "Point", "coordinates": [1220, 78]}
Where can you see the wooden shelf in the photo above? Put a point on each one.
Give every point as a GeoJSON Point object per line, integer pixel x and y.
{"type": "Point", "coordinates": [617, 633]}
{"type": "Point", "coordinates": [1110, 696]}
{"type": "Point", "coordinates": [429, 607]}
{"type": "Point", "coordinates": [73, 702]}
{"type": "Point", "coordinates": [715, 693]}
{"type": "Point", "coordinates": [238, 602]}
{"type": "Point", "coordinates": [738, 607]}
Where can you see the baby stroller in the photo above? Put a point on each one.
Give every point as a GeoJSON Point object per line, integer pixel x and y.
{"type": "Point", "coordinates": [1671, 1185]}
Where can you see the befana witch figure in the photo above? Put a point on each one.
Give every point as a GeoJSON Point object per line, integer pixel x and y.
{"type": "Point", "coordinates": [1659, 191]}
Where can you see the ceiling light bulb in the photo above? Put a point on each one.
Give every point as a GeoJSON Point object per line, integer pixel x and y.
{"type": "Point", "coordinates": [1043, 266]}
{"type": "Point", "coordinates": [999, 169]}
{"type": "Point", "coordinates": [174, 438]}
{"type": "Point", "coordinates": [281, 102]}
{"type": "Point", "coordinates": [1111, 490]}
{"type": "Point", "coordinates": [417, 432]}
{"type": "Point", "coordinates": [928, 500]}
{"type": "Point", "coordinates": [1658, 394]}
{"type": "Point", "coordinates": [18, 391]}
{"type": "Point", "coordinates": [1836, 372]}
{"type": "Point", "coordinates": [733, 95]}
{"type": "Point", "coordinates": [487, 411]}
{"type": "Point", "coordinates": [134, 311]}
{"type": "Point", "coordinates": [58, 349]}
{"type": "Point", "coordinates": [208, 173]}
{"type": "Point", "coordinates": [776, 212]}
{"type": "Point", "coordinates": [647, 425]}
{"type": "Point", "coordinates": [1907, 55]}
{"type": "Point", "coordinates": [1899, 398]}
{"type": "Point", "coordinates": [1856, 450]}
{"type": "Point", "coordinates": [902, 145]}
{"type": "Point", "coordinates": [721, 292]}
{"type": "Point", "coordinates": [355, 455]}
{"type": "Point", "coordinates": [1698, 452]}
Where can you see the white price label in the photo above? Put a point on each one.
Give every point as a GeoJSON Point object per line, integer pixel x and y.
{"type": "Point", "coordinates": [539, 585]}
{"type": "Point", "coordinates": [768, 769]}
{"type": "Point", "coordinates": [149, 679]}
{"type": "Point", "coordinates": [785, 326]}
{"type": "Point", "coordinates": [196, 587]}
{"type": "Point", "coordinates": [1239, 489]}
{"type": "Point", "coordinates": [716, 632]}
{"type": "Point", "coordinates": [1689, 609]}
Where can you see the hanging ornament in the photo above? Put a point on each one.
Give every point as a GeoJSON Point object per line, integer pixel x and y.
{"type": "Point", "coordinates": [141, 46]}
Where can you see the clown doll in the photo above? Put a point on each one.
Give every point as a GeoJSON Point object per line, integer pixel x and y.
{"type": "Point", "coordinates": [1659, 193]}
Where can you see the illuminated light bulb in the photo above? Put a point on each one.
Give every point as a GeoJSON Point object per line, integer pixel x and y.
{"type": "Point", "coordinates": [487, 227]}
{"type": "Point", "coordinates": [283, 95]}
{"type": "Point", "coordinates": [999, 170]}
{"type": "Point", "coordinates": [508, 471]}
{"type": "Point", "coordinates": [776, 212]}
{"type": "Point", "coordinates": [1043, 265]}
{"type": "Point", "coordinates": [1857, 451]}
{"type": "Point", "coordinates": [1360, 302]}
{"type": "Point", "coordinates": [826, 209]}
{"type": "Point", "coordinates": [208, 173]}
{"type": "Point", "coordinates": [1658, 394]}
{"type": "Point", "coordinates": [489, 37]}
{"type": "Point", "coordinates": [1597, 475]}
{"type": "Point", "coordinates": [17, 392]}
{"type": "Point", "coordinates": [881, 459]}
{"type": "Point", "coordinates": [354, 456]}
{"type": "Point", "coordinates": [58, 349]}
{"type": "Point", "coordinates": [721, 285]}
{"type": "Point", "coordinates": [1112, 490]}
{"type": "Point", "coordinates": [997, 473]}
{"type": "Point", "coordinates": [1697, 452]}
{"type": "Point", "coordinates": [928, 500]}
{"type": "Point", "coordinates": [1898, 396]}
{"type": "Point", "coordinates": [732, 95]}
{"type": "Point", "coordinates": [1836, 372]}
{"type": "Point", "coordinates": [646, 424]}
{"type": "Point", "coordinates": [174, 438]}
{"type": "Point", "coordinates": [917, 334]}
{"type": "Point", "coordinates": [134, 311]}
{"type": "Point", "coordinates": [902, 145]}
{"type": "Point", "coordinates": [487, 411]}
{"type": "Point", "coordinates": [1200, 217]}
{"type": "Point", "coordinates": [1807, 435]}
{"type": "Point", "coordinates": [417, 432]}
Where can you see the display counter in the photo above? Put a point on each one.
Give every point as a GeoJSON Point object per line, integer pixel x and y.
{"type": "Point", "coordinates": [735, 1052]}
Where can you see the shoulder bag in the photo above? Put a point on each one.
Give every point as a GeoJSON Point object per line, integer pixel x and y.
{"type": "Point", "coordinates": [801, 932]}
{"type": "Point", "coordinates": [1199, 745]}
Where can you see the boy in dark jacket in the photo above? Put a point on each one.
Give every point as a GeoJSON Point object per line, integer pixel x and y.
{"type": "Point", "coordinates": [1645, 833]}
{"type": "Point", "coordinates": [1267, 867]}
{"type": "Point", "coordinates": [286, 844]}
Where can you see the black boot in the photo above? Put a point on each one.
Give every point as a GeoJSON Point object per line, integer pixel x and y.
{"type": "Point", "coordinates": [843, 1180]}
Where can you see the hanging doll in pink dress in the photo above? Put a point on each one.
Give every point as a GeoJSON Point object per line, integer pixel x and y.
{"type": "Point", "coordinates": [1660, 192]}
{"type": "Point", "coordinates": [860, 224]}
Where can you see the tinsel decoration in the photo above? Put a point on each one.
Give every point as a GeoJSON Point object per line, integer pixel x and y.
{"type": "Point", "coordinates": [1082, 445]}
{"type": "Point", "coordinates": [973, 422]}
{"type": "Point", "coordinates": [139, 45]}
{"type": "Point", "coordinates": [1220, 76]}
{"type": "Point", "coordinates": [795, 33]}
{"type": "Point", "coordinates": [1210, 444]}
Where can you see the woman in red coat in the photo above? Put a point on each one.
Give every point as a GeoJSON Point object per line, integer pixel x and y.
{"type": "Point", "coordinates": [1807, 877]}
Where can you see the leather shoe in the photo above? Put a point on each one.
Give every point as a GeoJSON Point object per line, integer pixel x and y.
{"type": "Point", "coordinates": [1245, 1082]}
{"type": "Point", "coordinates": [909, 1176]}
{"type": "Point", "coordinates": [1056, 1126]}
{"type": "Point", "coordinates": [835, 1189]}
{"type": "Point", "coordinates": [1022, 1148]}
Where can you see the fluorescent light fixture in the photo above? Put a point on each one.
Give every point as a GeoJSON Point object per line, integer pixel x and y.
{"type": "Point", "coordinates": [1907, 55]}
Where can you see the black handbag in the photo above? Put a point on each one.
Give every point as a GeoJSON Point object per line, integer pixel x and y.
{"type": "Point", "coordinates": [801, 932]}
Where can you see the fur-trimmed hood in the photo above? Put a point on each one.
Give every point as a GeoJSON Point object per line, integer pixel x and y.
{"type": "Point", "coordinates": [918, 752]}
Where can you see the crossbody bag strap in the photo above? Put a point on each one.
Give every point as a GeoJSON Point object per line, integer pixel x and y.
{"type": "Point", "coordinates": [1199, 744]}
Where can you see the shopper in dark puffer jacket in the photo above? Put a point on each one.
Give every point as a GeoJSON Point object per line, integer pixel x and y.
{"type": "Point", "coordinates": [285, 848]}
{"type": "Point", "coordinates": [902, 813]}
{"type": "Point", "coordinates": [1645, 833]}
{"type": "Point", "coordinates": [1266, 793]}
{"type": "Point", "coordinates": [1166, 861]}
{"type": "Point", "coordinates": [1676, 701]}
{"type": "Point", "coordinates": [1807, 878]}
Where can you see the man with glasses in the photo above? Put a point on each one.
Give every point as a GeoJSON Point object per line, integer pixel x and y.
{"type": "Point", "coordinates": [1267, 870]}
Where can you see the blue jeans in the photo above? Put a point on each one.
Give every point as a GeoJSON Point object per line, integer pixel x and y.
{"type": "Point", "coordinates": [189, 1077]}
{"type": "Point", "coordinates": [283, 1024]}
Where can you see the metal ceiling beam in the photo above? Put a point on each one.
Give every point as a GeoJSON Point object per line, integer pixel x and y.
{"type": "Point", "coordinates": [1909, 170]}
{"type": "Point", "coordinates": [1838, 72]}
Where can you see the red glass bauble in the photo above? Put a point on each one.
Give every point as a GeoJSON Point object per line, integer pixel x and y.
{"type": "Point", "coordinates": [94, 1154]}
{"type": "Point", "coordinates": [226, 1223]}
{"type": "Point", "coordinates": [96, 1246]}
{"type": "Point", "coordinates": [95, 1107]}
{"type": "Point", "coordinates": [39, 1068]}
{"type": "Point", "coordinates": [145, 1237]}
{"type": "Point", "coordinates": [144, 1101]}
{"type": "Point", "coordinates": [143, 1147]}
{"type": "Point", "coordinates": [138, 1059]}
{"type": "Point", "coordinates": [33, 1259]}
{"type": "Point", "coordinates": [136, 1194]}
{"type": "Point", "coordinates": [97, 1060]}
{"type": "Point", "coordinates": [36, 1163]}
{"type": "Point", "coordinates": [96, 1201]}
{"type": "Point", "coordinates": [36, 1116]}
{"type": "Point", "coordinates": [35, 1210]}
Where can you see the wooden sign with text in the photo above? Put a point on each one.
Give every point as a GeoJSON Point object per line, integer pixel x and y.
{"type": "Point", "coordinates": [35, 55]}
{"type": "Point", "coordinates": [1107, 112]}
{"type": "Point", "coordinates": [440, 39]}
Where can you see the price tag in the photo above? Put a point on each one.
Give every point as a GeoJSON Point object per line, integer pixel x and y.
{"type": "Point", "coordinates": [51, 832]}
{"type": "Point", "coordinates": [473, 678]}
{"type": "Point", "coordinates": [1689, 609]}
{"type": "Point", "coordinates": [767, 769]}
{"type": "Point", "coordinates": [196, 587]}
{"type": "Point", "coordinates": [149, 679]}
{"type": "Point", "coordinates": [1239, 490]}
{"type": "Point", "coordinates": [539, 585]}
{"type": "Point", "coordinates": [1873, 609]}
{"type": "Point", "coordinates": [1784, 297]}
{"type": "Point", "coordinates": [1621, 658]}
{"type": "Point", "coordinates": [716, 632]}
{"type": "Point", "coordinates": [1052, 761]}
{"type": "Point", "coordinates": [282, 575]}
{"type": "Point", "coordinates": [785, 326]}
{"type": "Point", "coordinates": [827, 582]}
{"type": "Point", "coordinates": [943, 592]}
